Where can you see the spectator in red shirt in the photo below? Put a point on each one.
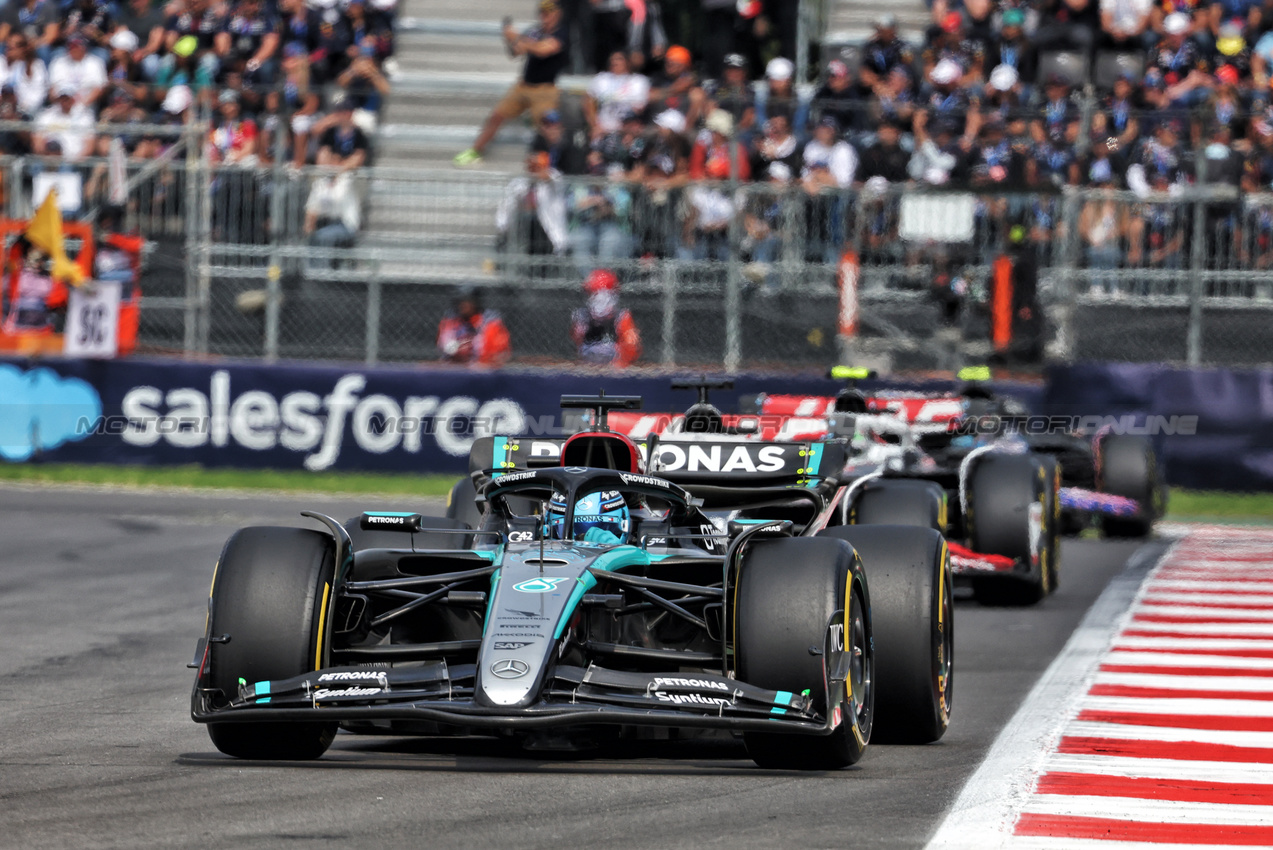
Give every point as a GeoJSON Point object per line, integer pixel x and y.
{"type": "Point", "coordinates": [603, 331]}
{"type": "Point", "coordinates": [714, 157]}
{"type": "Point", "coordinates": [234, 139]}
{"type": "Point", "coordinates": [471, 335]}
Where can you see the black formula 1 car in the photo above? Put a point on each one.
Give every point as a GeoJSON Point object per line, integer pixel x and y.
{"type": "Point", "coordinates": [996, 502]}
{"type": "Point", "coordinates": [587, 593]}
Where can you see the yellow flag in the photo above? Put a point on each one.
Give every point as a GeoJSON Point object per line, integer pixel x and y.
{"type": "Point", "coordinates": [45, 232]}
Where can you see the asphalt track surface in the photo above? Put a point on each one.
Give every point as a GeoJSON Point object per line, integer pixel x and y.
{"type": "Point", "coordinates": [102, 598]}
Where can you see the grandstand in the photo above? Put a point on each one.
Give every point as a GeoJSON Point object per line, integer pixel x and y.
{"type": "Point", "coordinates": [1138, 189]}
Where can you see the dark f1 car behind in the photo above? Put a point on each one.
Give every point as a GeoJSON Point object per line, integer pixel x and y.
{"type": "Point", "coordinates": [592, 593]}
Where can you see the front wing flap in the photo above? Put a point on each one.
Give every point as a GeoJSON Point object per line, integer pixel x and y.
{"type": "Point", "coordinates": [574, 696]}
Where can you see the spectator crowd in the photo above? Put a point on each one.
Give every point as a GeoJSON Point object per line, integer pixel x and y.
{"type": "Point", "coordinates": [1001, 97]}
{"type": "Point", "coordinates": [303, 80]}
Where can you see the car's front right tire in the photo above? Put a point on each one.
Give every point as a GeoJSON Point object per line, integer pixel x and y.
{"type": "Point", "coordinates": [271, 596]}
{"type": "Point", "coordinates": [787, 591]}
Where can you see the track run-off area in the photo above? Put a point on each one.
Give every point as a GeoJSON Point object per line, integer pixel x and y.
{"type": "Point", "coordinates": [102, 599]}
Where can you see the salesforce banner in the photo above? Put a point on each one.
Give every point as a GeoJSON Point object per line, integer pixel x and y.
{"type": "Point", "coordinates": [300, 416]}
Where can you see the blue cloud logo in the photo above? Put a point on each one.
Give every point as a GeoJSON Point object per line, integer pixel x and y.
{"type": "Point", "coordinates": [40, 410]}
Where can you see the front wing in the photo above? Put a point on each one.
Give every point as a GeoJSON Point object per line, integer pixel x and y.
{"type": "Point", "coordinates": [575, 696]}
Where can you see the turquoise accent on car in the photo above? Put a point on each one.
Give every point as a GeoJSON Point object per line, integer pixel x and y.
{"type": "Point", "coordinates": [815, 459]}
{"type": "Point", "coordinates": [259, 689]}
{"type": "Point", "coordinates": [782, 702]}
{"type": "Point", "coordinates": [389, 513]}
{"type": "Point", "coordinates": [615, 559]}
{"type": "Point", "coordinates": [490, 599]}
{"type": "Point", "coordinates": [499, 455]}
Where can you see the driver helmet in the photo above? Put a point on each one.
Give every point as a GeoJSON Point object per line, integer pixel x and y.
{"type": "Point", "coordinates": [605, 510]}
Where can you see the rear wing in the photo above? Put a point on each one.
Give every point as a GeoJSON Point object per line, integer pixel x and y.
{"type": "Point", "coordinates": [718, 462]}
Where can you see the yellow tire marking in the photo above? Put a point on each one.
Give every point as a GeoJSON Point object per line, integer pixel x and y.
{"type": "Point", "coordinates": [322, 623]}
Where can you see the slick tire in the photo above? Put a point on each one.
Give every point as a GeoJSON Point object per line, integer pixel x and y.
{"type": "Point", "coordinates": [1009, 513]}
{"type": "Point", "coordinates": [912, 621]}
{"type": "Point", "coordinates": [401, 540]}
{"type": "Point", "coordinates": [461, 503]}
{"type": "Point", "coordinates": [1128, 467]}
{"type": "Point", "coordinates": [787, 590]}
{"type": "Point", "coordinates": [270, 594]}
{"type": "Point", "coordinates": [900, 501]}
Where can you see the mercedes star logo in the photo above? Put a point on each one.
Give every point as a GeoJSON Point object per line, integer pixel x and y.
{"type": "Point", "coordinates": [510, 668]}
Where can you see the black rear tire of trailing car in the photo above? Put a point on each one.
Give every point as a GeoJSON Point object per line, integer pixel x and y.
{"type": "Point", "coordinates": [787, 591]}
{"type": "Point", "coordinates": [1128, 467]}
{"type": "Point", "coordinates": [461, 503]}
{"type": "Point", "coordinates": [1010, 514]}
{"type": "Point", "coordinates": [900, 501]}
{"type": "Point", "coordinates": [912, 620]}
{"type": "Point", "coordinates": [271, 594]}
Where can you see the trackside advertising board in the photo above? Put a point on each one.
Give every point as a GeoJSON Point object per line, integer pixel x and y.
{"type": "Point", "coordinates": [300, 416]}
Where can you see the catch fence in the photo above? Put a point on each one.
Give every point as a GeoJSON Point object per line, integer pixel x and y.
{"type": "Point", "coordinates": [716, 274]}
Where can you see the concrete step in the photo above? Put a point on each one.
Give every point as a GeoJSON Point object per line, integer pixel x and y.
{"type": "Point", "coordinates": [467, 10]}
{"type": "Point", "coordinates": [500, 159]}
{"type": "Point", "coordinates": [447, 53]}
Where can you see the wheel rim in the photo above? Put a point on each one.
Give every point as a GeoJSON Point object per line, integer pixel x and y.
{"type": "Point", "coordinates": [861, 668]}
{"type": "Point", "coordinates": [946, 642]}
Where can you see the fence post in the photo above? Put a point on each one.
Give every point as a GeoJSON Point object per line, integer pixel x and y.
{"type": "Point", "coordinates": [372, 352]}
{"type": "Point", "coordinates": [1197, 266]}
{"type": "Point", "coordinates": [273, 274]}
{"type": "Point", "coordinates": [802, 42]}
{"type": "Point", "coordinates": [670, 281]}
{"type": "Point", "coordinates": [194, 222]}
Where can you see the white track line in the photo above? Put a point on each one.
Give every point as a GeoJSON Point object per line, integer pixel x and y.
{"type": "Point", "coordinates": [1150, 811]}
{"type": "Point", "coordinates": [1167, 659]}
{"type": "Point", "coordinates": [1186, 705]}
{"type": "Point", "coordinates": [1206, 629]}
{"type": "Point", "coordinates": [1218, 616]}
{"type": "Point", "coordinates": [1041, 843]}
{"type": "Point", "coordinates": [1169, 585]}
{"type": "Point", "coordinates": [1196, 684]}
{"type": "Point", "coordinates": [1159, 595]}
{"type": "Point", "coordinates": [983, 816]}
{"type": "Point", "coordinates": [1199, 642]}
{"type": "Point", "coordinates": [1087, 729]}
{"type": "Point", "coordinates": [1238, 773]}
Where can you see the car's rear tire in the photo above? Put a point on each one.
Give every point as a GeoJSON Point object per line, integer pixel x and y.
{"type": "Point", "coordinates": [787, 591]}
{"type": "Point", "coordinates": [1127, 466]}
{"type": "Point", "coordinates": [912, 621]}
{"type": "Point", "coordinates": [1009, 513]}
{"type": "Point", "coordinates": [900, 501]}
{"type": "Point", "coordinates": [271, 595]}
{"type": "Point", "coordinates": [461, 503]}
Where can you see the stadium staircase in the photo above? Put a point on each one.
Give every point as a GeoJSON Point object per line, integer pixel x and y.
{"type": "Point", "coordinates": [452, 68]}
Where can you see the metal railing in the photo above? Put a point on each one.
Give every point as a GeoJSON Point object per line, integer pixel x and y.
{"type": "Point", "coordinates": [716, 274]}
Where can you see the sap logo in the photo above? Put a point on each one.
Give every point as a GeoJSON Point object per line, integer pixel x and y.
{"type": "Point", "coordinates": [521, 536]}
{"type": "Point", "coordinates": [694, 458]}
